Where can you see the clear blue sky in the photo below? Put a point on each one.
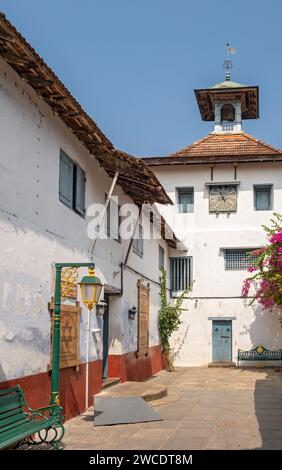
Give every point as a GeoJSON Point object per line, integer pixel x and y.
{"type": "Point", "coordinates": [133, 64]}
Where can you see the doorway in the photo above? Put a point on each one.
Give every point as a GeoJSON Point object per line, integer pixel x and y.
{"type": "Point", "coordinates": [222, 341]}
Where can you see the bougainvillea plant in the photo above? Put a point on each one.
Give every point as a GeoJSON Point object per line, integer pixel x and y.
{"type": "Point", "coordinates": [266, 273]}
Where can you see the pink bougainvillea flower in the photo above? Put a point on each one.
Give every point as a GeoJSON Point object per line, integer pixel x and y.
{"type": "Point", "coordinates": [246, 287]}
{"type": "Point", "coordinates": [251, 269]}
{"type": "Point", "coordinates": [280, 250]}
{"type": "Point", "coordinates": [277, 238]}
{"type": "Point", "coordinates": [258, 252]}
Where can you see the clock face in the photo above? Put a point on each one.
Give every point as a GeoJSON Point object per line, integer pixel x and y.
{"type": "Point", "coordinates": [223, 198]}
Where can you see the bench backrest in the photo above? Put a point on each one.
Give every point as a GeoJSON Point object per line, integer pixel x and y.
{"type": "Point", "coordinates": [12, 402]}
{"type": "Point", "coordinates": [260, 354]}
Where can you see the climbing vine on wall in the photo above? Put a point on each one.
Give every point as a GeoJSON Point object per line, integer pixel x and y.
{"type": "Point", "coordinates": [169, 318]}
{"type": "Point", "coordinates": [266, 275]}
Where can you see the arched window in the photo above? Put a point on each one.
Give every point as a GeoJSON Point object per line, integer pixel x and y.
{"type": "Point", "coordinates": [227, 113]}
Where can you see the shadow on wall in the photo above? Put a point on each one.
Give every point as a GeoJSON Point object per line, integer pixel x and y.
{"type": "Point", "coordinates": [264, 330]}
{"type": "Point", "coordinates": [177, 349]}
{"type": "Point", "coordinates": [266, 427]}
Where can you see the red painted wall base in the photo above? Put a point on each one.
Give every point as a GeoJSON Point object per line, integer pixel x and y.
{"type": "Point", "coordinates": [37, 388]}
{"type": "Point", "coordinates": [131, 367]}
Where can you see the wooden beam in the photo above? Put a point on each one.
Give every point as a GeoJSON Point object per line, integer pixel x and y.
{"type": "Point", "coordinates": [17, 59]}
{"type": "Point", "coordinates": [6, 37]}
{"type": "Point", "coordinates": [36, 80]}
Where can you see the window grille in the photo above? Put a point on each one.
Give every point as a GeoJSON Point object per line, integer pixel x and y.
{"type": "Point", "coordinates": [180, 273]}
{"type": "Point", "coordinates": [239, 259]}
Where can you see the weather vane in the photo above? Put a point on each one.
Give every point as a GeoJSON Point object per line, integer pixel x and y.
{"type": "Point", "coordinates": [228, 63]}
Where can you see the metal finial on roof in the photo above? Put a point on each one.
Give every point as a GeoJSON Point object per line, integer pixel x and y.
{"type": "Point", "coordinates": [227, 63]}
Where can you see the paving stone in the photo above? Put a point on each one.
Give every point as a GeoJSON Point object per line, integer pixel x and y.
{"type": "Point", "coordinates": [204, 409]}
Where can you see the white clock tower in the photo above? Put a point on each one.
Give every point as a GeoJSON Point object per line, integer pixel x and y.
{"type": "Point", "coordinates": [227, 103]}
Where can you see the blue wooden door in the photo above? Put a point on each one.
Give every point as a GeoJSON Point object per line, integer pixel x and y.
{"type": "Point", "coordinates": [222, 341]}
{"type": "Point", "coordinates": [106, 338]}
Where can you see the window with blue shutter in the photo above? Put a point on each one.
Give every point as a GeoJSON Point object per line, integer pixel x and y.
{"type": "Point", "coordinates": [114, 219]}
{"type": "Point", "coordinates": [263, 197]}
{"type": "Point", "coordinates": [186, 200]}
{"type": "Point", "coordinates": [71, 184]}
{"type": "Point", "coordinates": [66, 180]}
{"type": "Point", "coordinates": [138, 245]}
{"type": "Point", "coordinates": [79, 200]}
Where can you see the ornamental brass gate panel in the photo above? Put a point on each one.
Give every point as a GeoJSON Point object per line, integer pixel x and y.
{"type": "Point", "coordinates": [69, 334]}
{"type": "Point", "coordinates": [143, 318]}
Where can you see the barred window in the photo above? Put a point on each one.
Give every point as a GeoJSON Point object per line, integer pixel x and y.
{"type": "Point", "coordinates": [180, 273]}
{"type": "Point", "coordinates": [239, 259]}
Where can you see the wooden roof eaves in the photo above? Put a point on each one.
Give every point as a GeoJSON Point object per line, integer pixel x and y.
{"type": "Point", "coordinates": [21, 56]}
{"type": "Point", "coordinates": [171, 161]}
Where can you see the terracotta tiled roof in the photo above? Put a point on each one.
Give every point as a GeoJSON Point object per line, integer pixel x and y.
{"type": "Point", "coordinates": [20, 55]}
{"type": "Point", "coordinates": [227, 145]}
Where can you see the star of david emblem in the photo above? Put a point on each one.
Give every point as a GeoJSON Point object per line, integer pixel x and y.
{"type": "Point", "coordinates": [67, 330]}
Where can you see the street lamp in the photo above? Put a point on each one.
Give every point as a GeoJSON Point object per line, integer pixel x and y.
{"type": "Point", "coordinates": [90, 287]}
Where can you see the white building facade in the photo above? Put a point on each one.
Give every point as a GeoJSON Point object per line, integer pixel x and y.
{"type": "Point", "coordinates": [55, 164]}
{"type": "Point", "coordinates": [224, 187]}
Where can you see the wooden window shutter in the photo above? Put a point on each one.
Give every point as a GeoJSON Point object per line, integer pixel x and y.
{"type": "Point", "coordinates": [66, 180]}
{"type": "Point", "coordinates": [79, 203]}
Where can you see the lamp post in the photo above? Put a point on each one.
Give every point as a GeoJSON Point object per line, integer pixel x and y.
{"type": "Point", "coordinates": [91, 288]}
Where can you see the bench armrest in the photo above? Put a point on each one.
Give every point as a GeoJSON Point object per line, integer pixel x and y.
{"type": "Point", "coordinates": [40, 411]}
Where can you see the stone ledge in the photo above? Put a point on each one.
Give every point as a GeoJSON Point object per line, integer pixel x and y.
{"type": "Point", "coordinates": [149, 392]}
{"type": "Point", "coordinates": [221, 364]}
{"type": "Point", "coordinates": [155, 393]}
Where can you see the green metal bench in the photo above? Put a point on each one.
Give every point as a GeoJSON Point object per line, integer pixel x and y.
{"type": "Point", "coordinates": [20, 423]}
{"type": "Point", "coordinates": [259, 354]}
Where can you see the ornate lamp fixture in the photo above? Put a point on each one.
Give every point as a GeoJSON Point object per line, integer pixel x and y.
{"type": "Point", "coordinates": [90, 289]}
{"type": "Point", "coordinates": [132, 312]}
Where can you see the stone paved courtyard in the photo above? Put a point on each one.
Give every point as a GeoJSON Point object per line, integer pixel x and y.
{"type": "Point", "coordinates": [204, 409]}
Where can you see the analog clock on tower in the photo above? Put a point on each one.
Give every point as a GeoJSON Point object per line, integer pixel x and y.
{"type": "Point", "coordinates": [223, 198]}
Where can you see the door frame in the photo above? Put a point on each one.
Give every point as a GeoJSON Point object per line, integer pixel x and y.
{"type": "Point", "coordinates": [227, 320]}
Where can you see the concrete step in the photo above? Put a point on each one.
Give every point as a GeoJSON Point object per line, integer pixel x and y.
{"type": "Point", "coordinates": [109, 382]}
{"type": "Point", "coordinates": [221, 364]}
{"type": "Point", "coordinates": [147, 390]}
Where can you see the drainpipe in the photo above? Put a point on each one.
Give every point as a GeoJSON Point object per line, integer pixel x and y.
{"type": "Point", "coordinates": [104, 212]}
